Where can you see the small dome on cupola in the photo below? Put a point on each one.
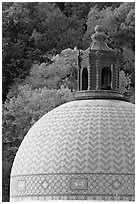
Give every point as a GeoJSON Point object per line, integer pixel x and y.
{"type": "Point", "coordinates": [84, 149]}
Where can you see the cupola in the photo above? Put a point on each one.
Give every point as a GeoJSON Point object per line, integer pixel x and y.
{"type": "Point", "coordinates": [98, 70]}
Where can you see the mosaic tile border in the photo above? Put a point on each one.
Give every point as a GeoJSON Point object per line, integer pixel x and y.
{"type": "Point", "coordinates": [73, 186]}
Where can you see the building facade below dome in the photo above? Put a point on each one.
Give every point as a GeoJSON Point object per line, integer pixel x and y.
{"type": "Point", "coordinates": [82, 150]}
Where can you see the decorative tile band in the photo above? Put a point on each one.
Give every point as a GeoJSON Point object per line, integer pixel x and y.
{"type": "Point", "coordinates": [96, 186]}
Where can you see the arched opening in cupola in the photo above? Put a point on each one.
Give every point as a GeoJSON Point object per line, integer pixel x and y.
{"type": "Point", "coordinates": [106, 78]}
{"type": "Point", "coordinates": [85, 79]}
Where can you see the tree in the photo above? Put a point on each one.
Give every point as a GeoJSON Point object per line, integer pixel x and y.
{"type": "Point", "coordinates": [62, 71]}
{"type": "Point", "coordinates": [16, 32]}
{"type": "Point", "coordinates": [31, 33]}
{"type": "Point", "coordinates": [127, 64]}
{"type": "Point", "coordinates": [125, 86]}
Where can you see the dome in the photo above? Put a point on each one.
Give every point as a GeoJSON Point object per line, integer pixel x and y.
{"type": "Point", "coordinates": [83, 149]}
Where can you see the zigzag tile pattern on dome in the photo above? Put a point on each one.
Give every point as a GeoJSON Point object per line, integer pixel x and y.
{"type": "Point", "coordinates": [75, 138]}
{"type": "Point", "coordinates": [80, 137]}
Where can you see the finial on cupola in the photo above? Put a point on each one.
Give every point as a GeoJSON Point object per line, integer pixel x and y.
{"type": "Point", "coordinates": [98, 39]}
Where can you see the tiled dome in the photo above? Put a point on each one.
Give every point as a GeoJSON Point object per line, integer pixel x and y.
{"type": "Point", "coordinates": [81, 150]}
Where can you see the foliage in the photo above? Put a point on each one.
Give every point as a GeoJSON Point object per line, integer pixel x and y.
{"type": "Point", "coordinates": [128, 63]}
{"type": "Point", "coordinates": [125, 86]}
{"type": "Point", "coordinates": [30, 32]}
{"type": "Point", "coordinates": [124, 82]}
{"type": "Point", "coordinates": [81, 9]}
{"type": "Point", "coordinates": [62, 71]}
